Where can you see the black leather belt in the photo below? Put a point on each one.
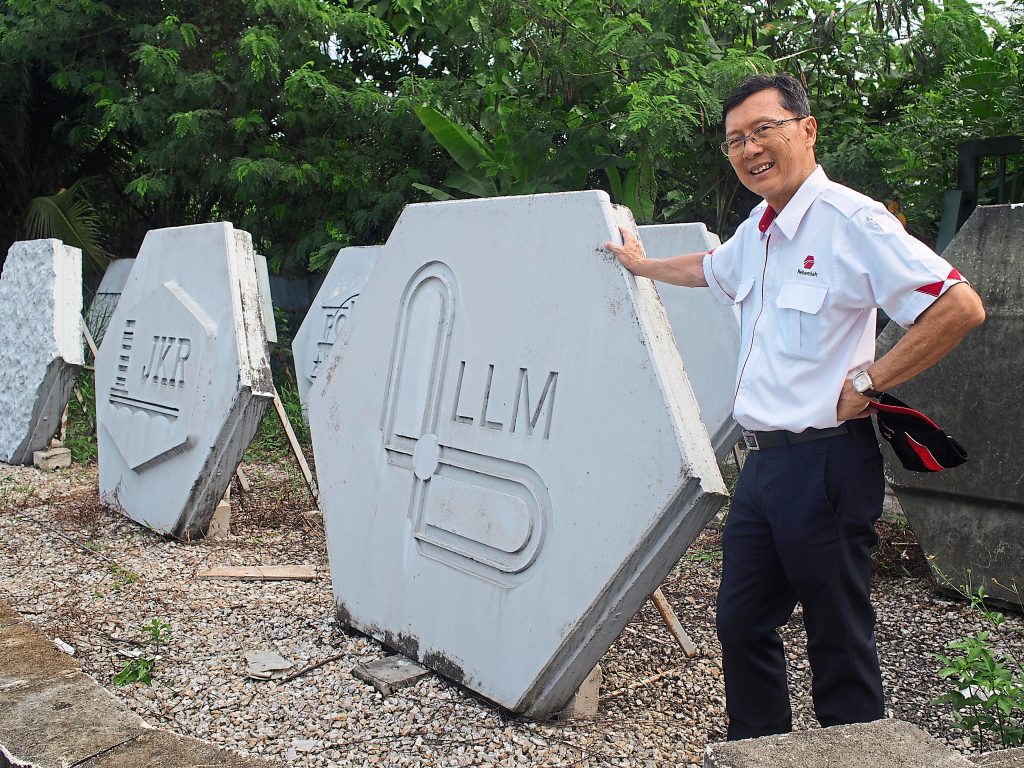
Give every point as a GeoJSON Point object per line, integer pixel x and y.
{"type": "Point", "coordinates": [755, 441]}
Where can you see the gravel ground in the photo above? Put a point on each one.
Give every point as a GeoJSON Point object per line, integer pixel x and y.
{"type": "Point", "coordinates": [92, 578]}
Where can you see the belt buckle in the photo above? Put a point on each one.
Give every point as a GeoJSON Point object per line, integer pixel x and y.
{"type": "Point", "coordinates": [750, 440]}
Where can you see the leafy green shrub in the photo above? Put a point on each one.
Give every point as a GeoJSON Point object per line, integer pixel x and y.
{"type": "Point", "coordinates": [80, 436]}
{"type": "Point", "coordinates": [986, 684]}
{"type": "Point", "coordinates": [140, 669]}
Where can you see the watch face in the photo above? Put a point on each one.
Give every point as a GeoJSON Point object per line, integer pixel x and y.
{"type": "Point", "coordinates": [862, 382]}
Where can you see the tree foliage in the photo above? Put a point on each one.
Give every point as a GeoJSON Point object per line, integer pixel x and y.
{"type": "Point", "coordinates": [310, 123]}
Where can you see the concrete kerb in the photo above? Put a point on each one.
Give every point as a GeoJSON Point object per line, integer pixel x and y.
{"type": "Point", "coordinates": [52, 714]}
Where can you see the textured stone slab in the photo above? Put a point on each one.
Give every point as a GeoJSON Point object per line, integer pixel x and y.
{"type": "Point", "coordinates": [881, 744]}
{"type": "Point", "coordinates": [40, 343]}
{"type": "Point", "coordinates": [103, 304]}
{"type": "Point", "coordinates": [159, 749]}
{"type": "Point", "coordinates": [52, 458]}
{"type": "Point", "coordinates": [510, 455]}
{"type": "Point", "coordinates": [390, 674]}
{"type": "Point", "coordinates": [331, 309]}
{"type": "Point", "coordinates": [970, 520]}
{"type": "Point", "coordinates": [62, 721]}
{"type": "Point", "coordinates": [182, 378]}
{"type": "Point", "coordinates": [707, 332]}
{"type": "Point", "coordinates": [28, 657]}
{"type": "Point", "coordinates": [1004, 758]}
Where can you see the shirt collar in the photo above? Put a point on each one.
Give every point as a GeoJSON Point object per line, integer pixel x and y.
{"type": "Point", "coordinates": [788, 221]}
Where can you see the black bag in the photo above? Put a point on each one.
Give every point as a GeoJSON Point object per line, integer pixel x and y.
{"type": "Point", "coordinates": [918, 441]}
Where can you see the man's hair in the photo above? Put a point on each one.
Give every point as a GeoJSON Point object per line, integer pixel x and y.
{"type": "Point", "coordinates": [794, 97]}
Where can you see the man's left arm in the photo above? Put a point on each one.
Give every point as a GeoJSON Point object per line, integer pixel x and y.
{"type": "Point", "coordinates": [937, 330]}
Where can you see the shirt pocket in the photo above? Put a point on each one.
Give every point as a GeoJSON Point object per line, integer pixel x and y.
{"type": "Point", "coordinates": [743, 289]}
{"type": "Point", "coordinates": [803, 326]}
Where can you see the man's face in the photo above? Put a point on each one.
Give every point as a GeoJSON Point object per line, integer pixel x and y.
{"type": "Point", "coordinates": [776, 165]}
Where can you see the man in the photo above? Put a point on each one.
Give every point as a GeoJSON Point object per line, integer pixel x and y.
{"type": "Point", "coordinates": [808, 268]}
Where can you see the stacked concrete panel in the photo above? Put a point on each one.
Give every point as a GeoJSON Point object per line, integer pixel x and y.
{"type": "Point", "coordinates": [40, 343]}
{"type": "Point", "coordinates": [105, 301]}
{"type": "Point", "coordinates": [334, 304]}
{"type": "Point", "coordinates": [182, 377]}
{"type": "Point", "coordinates": [707, 332]}
{"type": "Point", "coordinates": [510, 455]}
{"type": "Point", "coordinates": [266, 302]}
{"type": "Point", "coordinates": [970, 520]}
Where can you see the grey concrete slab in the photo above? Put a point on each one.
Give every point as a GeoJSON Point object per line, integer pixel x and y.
{"type": "Point", "coordinates": [103, 304]}
{"type": "Point", "coordinates": [970, 520]}
{"type": "Point", "coordinates": [332, 307]}
{"type": "Point", "coordinates": [40, 343]}
{"type": "Point", "coordinates": [28, 657]}
{"type": "Point", "coordinates": [159, 749]}
{"type": "Point", "coordinates": [182, 379]}
{"type": "Point", "coordinates": [390, 674]}
{"type": "Point", "coordinates": [62, 721]}
{"type": "Point", "coordinates": [706, 331]}
{"type": "Point", "coordinates": [881, 744]}
{"type": "Point", "coordinates": [510, 455]}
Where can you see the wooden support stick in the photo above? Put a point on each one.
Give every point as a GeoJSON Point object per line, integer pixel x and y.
{"type": "Point", "coordinates": [63, 426]}
{"type": "Point", "coordinates": [89, 339]}
{"type": "Point", "coordinates": [296, 449]}
{"type": "Point", "coordinates": [672, 622]}
{"type": "Point", "coordinates": [243, 481]}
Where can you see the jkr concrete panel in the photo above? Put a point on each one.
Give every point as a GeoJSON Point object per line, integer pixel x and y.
{"type": "Point", "coordinates": [182, 377]}
{"type": "Point", "coordinates": [510, 455]}
{"type": "Point", "coordinates": [707, 332]}
{"type": "Point", "coordinates": [331, 309]}
{"type": "Point", "coordinates": [105, 301]}
{"type": "Point", "coordinates": [40, 343]}
{"type": "Point", "coordinates": [970, 520]}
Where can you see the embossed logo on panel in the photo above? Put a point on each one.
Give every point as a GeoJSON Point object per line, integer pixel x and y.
{"type": "Point", "coordinates": [482, 514]}
{"type": "Point", "coordinates": [154, 387]}
{"type": "Point", "coordinates": [334, 317]}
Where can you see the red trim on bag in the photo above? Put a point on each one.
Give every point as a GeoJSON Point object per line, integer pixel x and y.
{"type": "Point", "coordinates": [926, 456]}
{"type": "Point", "coordinates": [766, 219]}
{"type": "Point", "coordinates": [905, 411]}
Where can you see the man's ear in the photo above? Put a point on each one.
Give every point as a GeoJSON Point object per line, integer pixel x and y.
{"type": "Point", "coordinates": [810, 129]}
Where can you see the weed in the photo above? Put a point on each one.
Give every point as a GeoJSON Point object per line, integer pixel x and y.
{"type": "Point", "coordinates": [986, 684]}
{"type": "Point", "coordinates": [80, 436]}
{"type": "Point", "coordinates": [140, 668]}
{"type": "Point", "coordinates": [122, 576]}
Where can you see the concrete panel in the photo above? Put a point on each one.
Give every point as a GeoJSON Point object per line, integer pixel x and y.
{"type": "Point", "coordinates": [103, 304]}
{"type": "Point", "coordinates": [182, 378]}
{"type": "Point", "coordinates": [40, 343]}
{"type": "Point", "coordinates": [706, 332]}
{"type": "Point", "coordinates": [971, 518]}
{"type": "Point", "coordinates": [331, 309]}
{"type": "Point", "coordinates": [266, 303]}
{"type": "Point", "coordinates": [510, 455]}
{"type": "Point", "coordinates": [28, 657]}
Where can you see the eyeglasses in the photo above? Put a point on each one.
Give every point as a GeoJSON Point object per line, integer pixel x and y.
{"type": "Point", "coordinates": [757, 136]}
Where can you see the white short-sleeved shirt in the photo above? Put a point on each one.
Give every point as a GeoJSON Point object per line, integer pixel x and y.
{"type": "Point", "coordinates": [808, 281]}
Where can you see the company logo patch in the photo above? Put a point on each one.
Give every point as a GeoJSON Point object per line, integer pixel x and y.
{"type": "Point", "coordinates": [808, 266]}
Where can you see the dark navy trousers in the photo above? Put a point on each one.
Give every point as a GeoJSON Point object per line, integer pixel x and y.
{"type": "Point", "coordinates": [801, 529]}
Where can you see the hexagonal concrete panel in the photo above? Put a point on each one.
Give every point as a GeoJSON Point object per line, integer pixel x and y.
{"type": "Point", "coordinates": [40, 343]}
{"type": "Point", "coordinates": [182, 377]}
{"type": "Point", "coordinates": [333, 305]}
{"type": "Point", "coordinates": [707, 332]}
{"type": "Point", "coordinates": [510, 455]}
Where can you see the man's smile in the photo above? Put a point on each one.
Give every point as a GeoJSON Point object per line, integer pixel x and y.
{"type": "Point", "coordinates": [759, 169]}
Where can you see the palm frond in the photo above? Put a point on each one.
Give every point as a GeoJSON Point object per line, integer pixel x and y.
{"type": "Point", "coordinates": [68, 216]}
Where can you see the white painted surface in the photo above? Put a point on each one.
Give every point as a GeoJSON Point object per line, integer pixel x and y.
{"type": "Point", "coordinates": [182, 377]}
{"type": "Point", "coordinates": [334, 304]}
{"type": "Point", "coordinates": [103, 304]}
{"type": "Point", "coordinates": [509, 453]}
{"type": "Point", "coordinates": [40, 343]}
{"type": "Point", "coordinates": [706, 331]}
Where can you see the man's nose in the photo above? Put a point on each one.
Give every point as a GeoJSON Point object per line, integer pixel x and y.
{"type": "Point", "coordinates": [751, 148]}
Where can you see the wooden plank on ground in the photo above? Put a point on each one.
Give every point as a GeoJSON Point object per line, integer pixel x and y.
{"type": "Point", "coordinates": [260, 572]}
